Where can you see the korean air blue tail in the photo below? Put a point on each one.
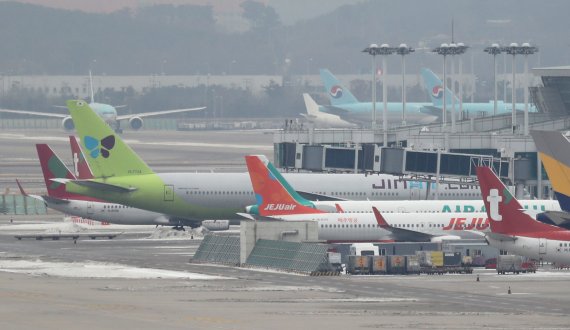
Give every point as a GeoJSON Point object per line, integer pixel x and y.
{"type": "Point", "coordinates": [434, 87]}
{"type": "Point", "coordinates": [338, 94]}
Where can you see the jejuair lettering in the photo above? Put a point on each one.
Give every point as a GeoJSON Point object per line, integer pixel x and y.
{"type": "Point", "coordinates": [467, 224]}
{"type": "Point", "coordinates": [280, 207]}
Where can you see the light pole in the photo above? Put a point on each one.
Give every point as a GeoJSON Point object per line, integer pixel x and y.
{"type": "Point", "coordinates": [460, 50]}
{"type": "Point", "coordinates": [404, 50]}
{"type": "Point", "coordinates": [373, 50]}
{"type": "Point", "coordinates": [512, 49]}
{"type": "Point", "coordinates": [494, 50]}
{"type": "Point", "coordinates": [526, 49]}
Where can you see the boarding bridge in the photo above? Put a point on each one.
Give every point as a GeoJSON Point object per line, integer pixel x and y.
{"type": "Point", "coordinates": [370, 158]}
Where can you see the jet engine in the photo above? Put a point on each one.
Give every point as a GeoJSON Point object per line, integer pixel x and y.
{"type": "Point", "coordinates": [439, 239]}
{"type": "Point", "coordinates": [216, 225]}
{"type": "Point", "coordinates": [136, 123]}
{"type": "Point", "coordinates": [67, 123]}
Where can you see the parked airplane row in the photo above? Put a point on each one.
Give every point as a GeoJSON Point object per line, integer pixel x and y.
{"type": "Point", "coordinates": [119, 176]}
{"type": "Point", "coordinates": [346, 111]}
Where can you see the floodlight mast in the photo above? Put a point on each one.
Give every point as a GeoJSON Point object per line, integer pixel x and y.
{"type": "Point", "coordinates": [404, 50]}
{"type": "Point", "coordinates": [524, 49]}
{"type": "Point", "coordinates": [383, 50]}
{"type": "Point", "coordinates": [494, 50]}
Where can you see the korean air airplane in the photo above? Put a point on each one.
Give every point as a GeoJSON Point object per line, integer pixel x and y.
{"type": "Point", "coordinates": [434, 86]}
{"type": "Point", "coordinates": [345, 105]}
{"type": "Point", "coordinates": [106, 111]}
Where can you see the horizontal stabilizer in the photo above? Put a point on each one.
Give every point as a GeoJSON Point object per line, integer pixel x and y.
{"type": "Point", "coordinates": [252, 217]}
{"type": "Point", "coordinates": [97, 185]}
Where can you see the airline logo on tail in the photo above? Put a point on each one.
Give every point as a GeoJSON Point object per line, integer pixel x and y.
{"type": "Point", "coordinates": [57, 170]}
{"type": "Point", "coordinates": [494, 199]}
{"type": "Point", "coordinates": [437, 91]}
{"type": "Point", "coordinates": [336, 92]}
{"type": "Point", "coordinates": [92, 144]}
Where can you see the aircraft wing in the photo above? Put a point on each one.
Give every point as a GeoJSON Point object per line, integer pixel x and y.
{"type": "Point", "coordinates": [318, 197]}
{"type": "Point", "coordinates": [252, 217]}
{"type": "Point", "coordinates": [501, 237]}
{"type": "Point", "coordinates": [158, 113]}
{"type": "Point", "coordinates": [34, 113]}
{"type": "Point", "coordinates": [401, 234]}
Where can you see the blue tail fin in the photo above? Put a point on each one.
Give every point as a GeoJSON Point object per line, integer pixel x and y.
{"type": "Point", "coordinates": [434, 87]}
{"type": "Point", "coordinates": [338, 94]}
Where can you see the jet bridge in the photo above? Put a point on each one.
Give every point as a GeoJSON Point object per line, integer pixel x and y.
{"type": "Point", "coordinates": [370, 158]}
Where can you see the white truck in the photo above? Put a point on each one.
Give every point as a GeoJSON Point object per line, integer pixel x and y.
{"type": "Point", "coordinates": [363, 249]}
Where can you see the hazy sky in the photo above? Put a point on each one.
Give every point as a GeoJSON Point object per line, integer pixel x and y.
{"type": "Point", "coordinates": [290, 11]}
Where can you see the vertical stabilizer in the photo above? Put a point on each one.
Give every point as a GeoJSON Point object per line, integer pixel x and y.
{"type": "Point", "coordinates": [434, 87]}
{"type": "Point", "coordinates": [554, 151]}
{"type": "Point", "coordinates": [53, 168]}
{"type": "Point", "coordinates": [106, 152]}
{"type": "Point", "coordinates": [273, 194]}
{"type": "Point", "coordinates": [506, 214]}
{"type": "Point", "coordinates": [338, 94]}
{"type": "Point", "coordinates": [80, 166]}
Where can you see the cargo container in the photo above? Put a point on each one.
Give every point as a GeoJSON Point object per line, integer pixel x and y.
{"type": "Point", "coordinates": [358, 265]}
{"type": "Point", "coordinates": [452, 259]}
{"type": "Point", "coordinates": [430, 258]}
{"type": "Point", "coordinates": [396, 264]}
{"type": "Point", "coordinates": [412, 265]}
{"type": "Point", "coordinates": [379, 265]}
{"type": "Point", "coordinates": [514, 264]}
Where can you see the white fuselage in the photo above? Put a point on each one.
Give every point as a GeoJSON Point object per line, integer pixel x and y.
{"type": "Point", "coordinates": [535, 248]}
{"type": "Point", "coordinates": [343, 227]}
{"type": "Point", "coordinates": [234, 189]}
{"type": "Point", "coordinates": [108, 212]}
{"type": "Point", "coordinates": [432, 206]}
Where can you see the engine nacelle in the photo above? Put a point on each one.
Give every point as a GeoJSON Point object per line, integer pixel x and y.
{"type": "Point", "coordinates": [439, 239]}
{"type": "Point", "coordinates": [136, 123]}
{"type": "Point", "coordinates": [67, 123]}
{"type": "Point", "coordinates": [216, 225]}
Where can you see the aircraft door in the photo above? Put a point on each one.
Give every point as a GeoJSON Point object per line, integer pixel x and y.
{"type": "Point", "coordinates": [90, 208]}
{"type": "Point", "coordinates": [168, 193]}
{"type": "Point", "coordinates": [415, 193]}
{"type": "Point", "coordinates": [542, 246]}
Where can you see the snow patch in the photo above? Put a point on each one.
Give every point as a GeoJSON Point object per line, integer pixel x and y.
{"type": "Point", "coordinates": [95, 270]}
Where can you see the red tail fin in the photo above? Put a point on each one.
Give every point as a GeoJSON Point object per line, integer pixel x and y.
{"type": "Point", "coordinates": [379, 218]}
{"type": "Point", "coordinates": [53, 167]}
{"type": "Point", "coordinates": [80, 165]}
{"type": "Point", "coordinates": [504, 211]}
{"type": "Point", "coordinates": [274, 195]}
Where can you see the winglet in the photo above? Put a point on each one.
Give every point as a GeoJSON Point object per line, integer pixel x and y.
{"type": "Point", "coordinates": [380, 219]}
{"type": "Point", "coordinates": [338, 208]}
{"type": "Point", "coordinates": [22, 191]}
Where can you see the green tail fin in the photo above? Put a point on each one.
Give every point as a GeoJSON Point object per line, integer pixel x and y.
{"type": "Point", "coordinates": [106, 153]}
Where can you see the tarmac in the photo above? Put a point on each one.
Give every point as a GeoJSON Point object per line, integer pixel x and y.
{"type": "Point", "coordinates": [145, 281]}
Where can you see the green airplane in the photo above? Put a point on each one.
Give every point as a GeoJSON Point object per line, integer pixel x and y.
{"type": "Point", "coordinates": [121, 176]}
